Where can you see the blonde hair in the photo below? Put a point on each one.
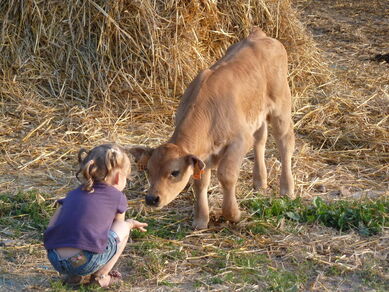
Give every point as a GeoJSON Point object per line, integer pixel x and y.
{"type": "Point", "coordinates": [98, 163]}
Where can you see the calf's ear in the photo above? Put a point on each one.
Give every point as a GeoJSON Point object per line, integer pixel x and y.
{"type": "Point", "coordinates": [142, 155]}
{"type": "Point", "coordinates": [198, 166]}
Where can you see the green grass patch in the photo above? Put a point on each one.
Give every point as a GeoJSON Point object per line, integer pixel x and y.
{"type": "Point", "coordinates": [373, 273]}
{"type": "Point", "coordinates": [167, 229]}
{"type": "Point", "coordinates": [59, 286]}
{"type": "Point", "coordinates": [249, 260]}
{"type": "Point", "coordinates": [366, 217]}
{"type": "Point", "coordinates": [283, 281]}
{"type": "Point", "coordinates": [175, 254]}
{"type": "Point", "coordinates": [215, 281]}
{"type": "Point", "coordinates": [259, 228]}
{"type": "Point", "coordinates": [166, 283]}
{"type": "Point", "coordinates": [272, 279]}
{"type": "Point", "coordinates": [29, 209]}
{"type": "Point", "coordinates": [258, 269]}
{"type": "Point", "coordinates": [246, 268]}
{"type": "Point", "coordinates": [373, 280]}
{"type": "Point", "coordinates": [236, 267]}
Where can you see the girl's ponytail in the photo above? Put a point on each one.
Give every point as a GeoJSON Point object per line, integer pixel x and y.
{"type": "Point", "coordinates": [111, 160]}
{"type": "Point", "coordinates": [88, 172]}
{"type": "Point", "coordinates": [80, 161]}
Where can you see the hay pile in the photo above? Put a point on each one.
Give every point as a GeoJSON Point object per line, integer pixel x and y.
{"type": "Point", "coordinates": [84, 72]}
{"type": "Point", "coordinates": [77, 73]}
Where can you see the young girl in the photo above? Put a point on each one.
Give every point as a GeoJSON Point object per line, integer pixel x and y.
{"type": "Point", "coordinates": [88, 232]}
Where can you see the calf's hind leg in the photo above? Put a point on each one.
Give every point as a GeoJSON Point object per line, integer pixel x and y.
{"type": "Point", "coordinates": [284, 136]}
{"type": "Point", "coordinates": [259, 171]}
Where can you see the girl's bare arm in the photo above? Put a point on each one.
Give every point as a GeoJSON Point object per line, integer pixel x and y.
{"type": "Point", "coordinates": [54, 218]}
{"type": "Point", "coordinates": [120, 216]}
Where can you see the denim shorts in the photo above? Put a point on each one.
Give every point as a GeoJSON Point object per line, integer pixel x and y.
{"type": "Point", "coordinates": [85, 262]}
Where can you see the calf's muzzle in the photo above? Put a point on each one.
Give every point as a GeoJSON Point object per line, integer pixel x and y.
{"type": "Point", "coordinates": [152, 200]}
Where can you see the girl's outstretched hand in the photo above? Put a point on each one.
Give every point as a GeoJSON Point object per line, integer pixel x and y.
{"type": "Point", "coordinates": [137, 225]}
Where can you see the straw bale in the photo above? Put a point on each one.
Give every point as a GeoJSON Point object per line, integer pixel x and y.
{"type": "Point", "coordinates": [150, 50]}
{"type": "Point", "coordinates": [76, 73]}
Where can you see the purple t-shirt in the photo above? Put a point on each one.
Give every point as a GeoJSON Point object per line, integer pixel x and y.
{"type": "Point", "coordinates": [86, 218]}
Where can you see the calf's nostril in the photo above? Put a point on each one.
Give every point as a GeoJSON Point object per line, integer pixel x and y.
{"type": "Point", "coordinates": [152, 200]}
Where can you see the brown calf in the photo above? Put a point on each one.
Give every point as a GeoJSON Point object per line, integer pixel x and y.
{"type": "Point", "coordinates": [224, 111]}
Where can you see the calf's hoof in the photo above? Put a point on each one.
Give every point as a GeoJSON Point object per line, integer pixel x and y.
{"type": "Point", "coordinates": [231, 215]}
{"type": "Point", "coordinates": [259, 186]}
{"type": "Point", "coordinates": [200, 224]}
{"type": "Point", "coordinates": [291, 196]}
{"type": "Point", "coordinates": [288, 193]}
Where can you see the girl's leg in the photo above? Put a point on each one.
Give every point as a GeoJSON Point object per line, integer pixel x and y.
{"type": "Point", "coordinates": [122, 229]}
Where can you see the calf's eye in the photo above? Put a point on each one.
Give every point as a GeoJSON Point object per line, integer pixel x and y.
{"type": "Point", "coordinates": [175, 173]}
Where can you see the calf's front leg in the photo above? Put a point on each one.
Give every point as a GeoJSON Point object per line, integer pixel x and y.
{"type": "Point", "coordinates": [227, 173]}
{"type": "Point", "coordinates": [201, 209]}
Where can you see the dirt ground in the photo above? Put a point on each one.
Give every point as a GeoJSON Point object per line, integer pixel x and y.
{"type": "Point", "coordinates": [350, 34]}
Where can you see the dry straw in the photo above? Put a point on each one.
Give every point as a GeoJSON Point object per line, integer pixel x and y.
{"type": "Point", "coordinates": [76, 73]}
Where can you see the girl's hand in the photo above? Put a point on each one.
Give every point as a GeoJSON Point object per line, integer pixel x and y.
{"type": "Point", "coordinates": [136, 225]}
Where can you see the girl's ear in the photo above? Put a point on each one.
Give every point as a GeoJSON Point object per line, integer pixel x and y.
{"type": "Point", "coordinates": [116, 177]}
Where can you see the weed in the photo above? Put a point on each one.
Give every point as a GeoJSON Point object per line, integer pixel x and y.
{"type": "Point", "coordinates": [25, 209]}
{"type": "Point", "coordinates": [59, 286]}
{"type": "Point", "coordinates": [216, 280]}
{"type": "Point", "coordinates": [218, 263]}
{"type": "Point", "coordinates": [152, 264]}
{"type": "Point", "coordinates": [166, 283]}
{"type": "Point", "coordinates": [374, 274]}
{"type": "Point", "coordinates": [368, 218]}
{"type": "Point", "coordinates": [249, 260]}
{"type": "Point", "coordinates": [247, 276]}
{"type": "Point", "coordinates": [334, 271]}
{"type": "Point", "coordinates": [198, 284]}
{"type": "Point", "coordinates": [240, 241]}
{"type": "Point", "coordinates": [175, 254]}
{"type": "Point", "coordinates": [283, 281]}
{"type": "Point", "coordinates": [143, 247]}
{"type": "Point", "coordinates": [254, 269]}
{"type": "Point", "coordinates": [10, 255]}
{"type": "Point", "coordinates": [258, 228]}
{"type": "Point", "coordinates": [166, 230]}
{"type": "Point", "coordinates": [373, 280]}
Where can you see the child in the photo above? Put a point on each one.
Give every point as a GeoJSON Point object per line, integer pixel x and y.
{"type": "Point", "coordinates": [88, 232]}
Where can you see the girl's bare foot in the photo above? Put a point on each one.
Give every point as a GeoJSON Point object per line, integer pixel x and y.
{"type": "Point", "coordinates": [109, 279]}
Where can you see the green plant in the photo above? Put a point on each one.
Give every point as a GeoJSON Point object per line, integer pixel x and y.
{"type": "Point", "coordinates": [283, 281]}
{"type": "Point", "coordinates": [29, 208]}
{"type": "Point", "coordinates": [367, 217]}
{"type": "Point", "coordinates": [167, 229]}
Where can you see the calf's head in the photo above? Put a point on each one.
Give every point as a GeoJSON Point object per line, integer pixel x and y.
{"type": "Point", "coordinates": [169, 168]}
